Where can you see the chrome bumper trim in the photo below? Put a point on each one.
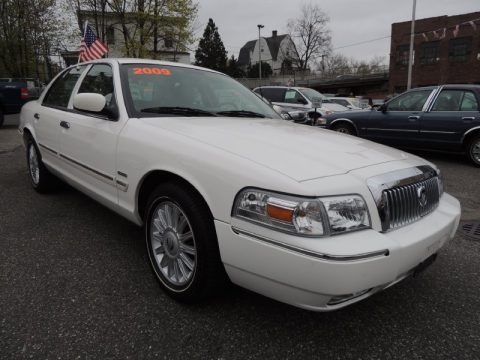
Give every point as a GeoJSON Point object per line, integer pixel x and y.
{"type": "Point", "coordinates": [353, 257]}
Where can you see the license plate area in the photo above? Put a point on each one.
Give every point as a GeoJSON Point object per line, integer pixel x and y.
{"type": "Point", "coordinates": [424, 264]}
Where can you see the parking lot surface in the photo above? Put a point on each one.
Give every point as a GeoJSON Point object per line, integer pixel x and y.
{"type": "Point", "coordinates": [75, 282]}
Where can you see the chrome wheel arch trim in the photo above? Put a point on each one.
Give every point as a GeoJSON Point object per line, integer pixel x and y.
{"type": "Point", "coordinates": [469, 131]}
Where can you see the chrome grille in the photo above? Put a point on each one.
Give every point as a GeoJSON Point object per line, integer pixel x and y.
{"type": "Point", "coordinates": [404, 196]}
{"type": "Point", "coordinates": [408, 203]}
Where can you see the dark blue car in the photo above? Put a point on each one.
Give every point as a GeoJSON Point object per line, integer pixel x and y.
{"type": "Point", "coordinates": [443, 117]}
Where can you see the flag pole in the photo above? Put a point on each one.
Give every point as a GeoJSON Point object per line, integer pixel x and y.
{"type": "Point", "coordinates": [84, 33]}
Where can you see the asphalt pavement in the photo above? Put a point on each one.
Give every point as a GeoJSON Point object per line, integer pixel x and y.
{"type": "Point", "coordinates": [75, 283]}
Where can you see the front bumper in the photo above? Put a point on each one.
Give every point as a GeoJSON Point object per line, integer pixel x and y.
{"type": "Point", "coordinates": [325, 274]}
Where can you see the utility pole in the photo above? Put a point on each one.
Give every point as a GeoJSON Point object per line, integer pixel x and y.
{"type": "Point", "coordinates": [259, 53]}
{"type": "Point", "coordinates": [412, 40]}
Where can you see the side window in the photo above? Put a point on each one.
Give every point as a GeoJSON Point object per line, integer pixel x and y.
{"type": "Point", "coordinates": [411, 101]}
{"type": "Point", "coordinates": [99, 79]}
{"type": "Point", "coordinates": [469, 102]}
{"type": "Point", "coordinates": [272, 94]}
{"type": "Point", "coordinates": [293, 97]}
{"type": "Point", "coordinates": [59, 93]}
{"type": "Point", "coordinates": [448, 100]}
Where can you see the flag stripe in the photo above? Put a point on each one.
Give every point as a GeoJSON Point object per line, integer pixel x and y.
{"type": "Point", "coordinates": [90, 47]}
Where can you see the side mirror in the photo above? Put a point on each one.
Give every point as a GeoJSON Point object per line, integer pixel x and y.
{"type": "Point", "coordinates": [383, 108]}
{"type": "Point", "coordinates": [90, 102]}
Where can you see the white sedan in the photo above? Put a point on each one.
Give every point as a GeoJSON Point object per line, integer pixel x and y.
{"type": "Point", "coordinates": [226, 190]}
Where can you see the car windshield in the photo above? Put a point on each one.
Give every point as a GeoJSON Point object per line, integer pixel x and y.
{"type": "Point", "coordinates": [153, 90]}
{"type": "Point", "coordinates": [313, 95]}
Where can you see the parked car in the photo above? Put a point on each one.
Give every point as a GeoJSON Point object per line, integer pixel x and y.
{"type": "Point", "coordinates": [14, 92]}
{"type": "Point", "coordinates": [443, 117]}
{"type": "Point", "coordinates": [299, 99]}
{"type": "Point", "coordinates": [227, 190]}
{"type": "Point", "coordinates": [350, 103]}
{"type": "Point", "coordinates": [297, 116]}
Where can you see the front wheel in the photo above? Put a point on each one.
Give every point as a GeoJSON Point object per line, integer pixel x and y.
{"type": "Point", "coordinates": [473, 150]}
{"type": "Point", "coordinates": [41, 179]}
{"type": "Point", "coordinates": [344, 128]}
{"type": "Point", "coordinates": [182, 244]}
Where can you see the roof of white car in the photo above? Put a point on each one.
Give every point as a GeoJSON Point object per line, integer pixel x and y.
{"type": "Point", "coordinates": [147, 61]}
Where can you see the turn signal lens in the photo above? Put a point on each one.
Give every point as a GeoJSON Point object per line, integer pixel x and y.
{"type": "Point", "coordinates": [278, 210]}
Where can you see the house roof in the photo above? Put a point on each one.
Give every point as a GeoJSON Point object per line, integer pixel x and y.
{"type": "Point", "coordinates": [273, 43]}
{"type": "Point", "coordinates": [244, 55]}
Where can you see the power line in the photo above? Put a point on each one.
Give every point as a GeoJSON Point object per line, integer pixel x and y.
{"type": "Point", "coordinates": [362, 42]}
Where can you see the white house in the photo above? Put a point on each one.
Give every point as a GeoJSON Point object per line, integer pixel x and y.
{"type": "Point", "coordinates": [277, 50]}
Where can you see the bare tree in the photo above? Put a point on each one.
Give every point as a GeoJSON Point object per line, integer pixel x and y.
{"type": "Point", "coordinates": [310, 34]}
{"type": "Point", "coordinates": [338, 64]}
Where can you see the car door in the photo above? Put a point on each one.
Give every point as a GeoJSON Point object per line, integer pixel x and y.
{"type": "Point", "coordinates": [454, 111]}
{"type": "Point", "coordinates": [52, 112]}
{"type": "Point", "coordinates": [88, 140]}
{"type": "Point", "coordinates": [398, 122]}
{"type": "Point", "coordinates": [293, 100]}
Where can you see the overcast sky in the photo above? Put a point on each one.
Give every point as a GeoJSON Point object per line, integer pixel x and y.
{"type": "Point", "coordinates": [351, 21]}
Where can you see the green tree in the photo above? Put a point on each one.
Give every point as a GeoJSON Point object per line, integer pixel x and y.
{"type": "Point", "coordinates": [31, 31]}
{"type": "Point", "coordinates": [210, 52]}
{"type": "Point", "coordinates": [266, 70]}
{"type": "Point", "coordinates": [232, 68]}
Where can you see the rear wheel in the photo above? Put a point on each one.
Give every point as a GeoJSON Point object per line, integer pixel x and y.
{"type": "Point", "coordinates": [344, 128]}
{"type": "Point", "coordinates": [473, 150]}
{"type": "Point", "coordinates": [182, 244]}
{"type": "Point", "coordinates": [41, 179]}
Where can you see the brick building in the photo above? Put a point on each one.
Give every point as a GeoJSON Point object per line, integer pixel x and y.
{"type": "Point", "coordinates": [446, 50]}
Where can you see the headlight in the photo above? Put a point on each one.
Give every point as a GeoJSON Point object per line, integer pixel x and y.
{"type": "Point", "coordinates": [321, 121]}
{"type": "Point", "coordinates": [302, 216]}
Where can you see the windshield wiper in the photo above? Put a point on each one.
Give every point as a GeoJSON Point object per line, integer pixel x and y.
{"type": "Point", "coordinates": [178, 110]}
{"type": "Point", "coordinates": [241, 113]}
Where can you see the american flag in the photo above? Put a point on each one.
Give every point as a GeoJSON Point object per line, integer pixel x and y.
{"type": "Point", "coordinates": [90, 47]}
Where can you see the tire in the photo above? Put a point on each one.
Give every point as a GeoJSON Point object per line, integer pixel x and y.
{"type": "Point", "coordinates": [473, 150]}
{"type": "Point", "coordinates": [344, 128]}
{"type": "Point", "coordinates": [2, 118]}
{"type": "Point", "coordinates": [182, 244]}
{"type": "Point", "coordinates": [40, 178]}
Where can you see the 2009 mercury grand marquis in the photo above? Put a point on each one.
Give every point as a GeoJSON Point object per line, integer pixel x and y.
{"type": "Point", "coordinates": [226, 189]}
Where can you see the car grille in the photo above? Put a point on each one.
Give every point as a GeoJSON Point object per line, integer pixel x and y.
{"type": "Point", "coordinates": [409, 203]}
{"type": "Point", "coordinates": [404, 196]}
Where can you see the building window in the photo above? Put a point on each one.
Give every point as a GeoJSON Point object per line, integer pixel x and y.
{"type": "Point", "coordinates": [402, 55]}
{"type": "Point", "coordinates": [111, 35]}
{"type": "Point", "coordinates": [430, 52]}
{"type": "Point", "coordinates": [168, 43]}
{"type": "Point", "coordinates": [460, 49]}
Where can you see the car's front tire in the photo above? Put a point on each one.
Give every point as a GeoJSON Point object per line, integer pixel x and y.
{"type": "Point", "coordinates": [344, 128]}
{"type": "Point", "coordinates": [473, 150]}
{"type": "Point", "coordinates": [182, 244]}
{"type": "Point", "coordinates": [40, 178]}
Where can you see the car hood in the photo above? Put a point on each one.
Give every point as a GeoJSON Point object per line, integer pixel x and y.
{"type": "Point", "coordinates": [297, 151]}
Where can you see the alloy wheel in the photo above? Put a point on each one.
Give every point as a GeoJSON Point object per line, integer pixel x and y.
{"type": "Point", "coordinates": [173, 243]}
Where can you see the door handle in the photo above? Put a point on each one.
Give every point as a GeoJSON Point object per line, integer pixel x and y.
{"type": "Point", "coordinates": [413, 118]}
{"type": "Point", "coordinates": [468, 118]}
{"type": "Point", "coordinates": [65, 124]}
{"type": "Point", "coordinates": [36, 116]}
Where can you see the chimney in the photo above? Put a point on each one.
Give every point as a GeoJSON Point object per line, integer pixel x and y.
{"type": "Point", "coordinates": [274, 33]}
